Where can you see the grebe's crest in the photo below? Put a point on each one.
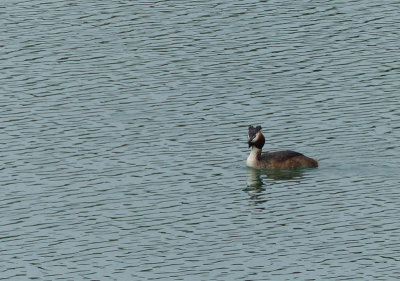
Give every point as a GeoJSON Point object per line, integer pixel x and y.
{"type": "Point", "coordinates": [255, 136]}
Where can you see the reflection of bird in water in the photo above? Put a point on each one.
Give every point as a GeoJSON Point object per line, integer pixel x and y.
{"type": "Point", "coordinates": [254, 185]}
{"type": "Point", "coordinates": [256, 178]}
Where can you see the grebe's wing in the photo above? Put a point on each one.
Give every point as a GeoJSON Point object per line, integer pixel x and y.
{"type": "Point", "coordinates": [281, 155]}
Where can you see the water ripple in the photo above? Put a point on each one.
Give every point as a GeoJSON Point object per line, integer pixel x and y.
{"type": "Point", "coordinates": [124, 140]}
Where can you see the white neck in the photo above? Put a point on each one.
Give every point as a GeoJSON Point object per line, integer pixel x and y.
{"type": "Point", "coordinates": [253, 157]}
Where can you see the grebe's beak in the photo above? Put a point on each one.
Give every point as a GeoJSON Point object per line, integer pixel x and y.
{"type": "Point", "coordinates": [249, 142]}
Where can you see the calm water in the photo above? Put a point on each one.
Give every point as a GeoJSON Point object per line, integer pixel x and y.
{"type": "Point", "coordinates": [124, 128]}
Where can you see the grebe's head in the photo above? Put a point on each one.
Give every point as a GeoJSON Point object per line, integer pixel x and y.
{"type": "Point", "coordinates": [255, 137]}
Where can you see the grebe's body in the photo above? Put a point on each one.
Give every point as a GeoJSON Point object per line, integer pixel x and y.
{"type": "Point", "coordinates": [275, 160]}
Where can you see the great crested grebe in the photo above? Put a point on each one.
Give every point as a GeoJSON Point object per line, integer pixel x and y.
{"type": "Point", "coordinates": [275, 160]}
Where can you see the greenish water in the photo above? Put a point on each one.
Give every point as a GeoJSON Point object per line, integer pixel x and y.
{"type": "Point", "coordinates": [124, 129]}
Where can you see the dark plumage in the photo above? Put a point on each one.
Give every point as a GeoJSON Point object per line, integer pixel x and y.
{"type": "Point", "coordinates": [280, 155]}
{"type": "Point", "coordinates": [274, 160]}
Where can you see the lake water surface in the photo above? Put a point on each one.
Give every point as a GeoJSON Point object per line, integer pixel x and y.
{"type": "Point", "coordinates": [124, 129]}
